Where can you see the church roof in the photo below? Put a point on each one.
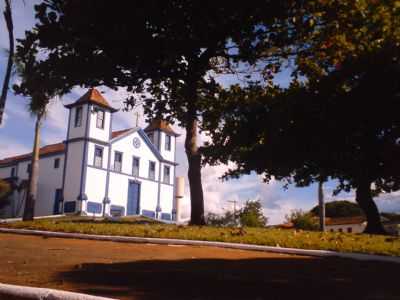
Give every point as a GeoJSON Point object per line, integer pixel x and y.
{"type": "Point", "coordinates": [46, 150]}
{"type": "Point", "coordinates": [92, 96]}
{"type": "Point", "coordinates": [159, 124]}
{"type": "Point", "coordinates": [117, 133]}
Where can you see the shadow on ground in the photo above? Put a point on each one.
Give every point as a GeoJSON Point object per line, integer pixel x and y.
{"type": "Point", "coordinates": [266, 278]}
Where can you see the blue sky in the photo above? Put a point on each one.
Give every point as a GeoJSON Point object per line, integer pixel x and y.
{"type": "Point", "coordinates": [16, 137]}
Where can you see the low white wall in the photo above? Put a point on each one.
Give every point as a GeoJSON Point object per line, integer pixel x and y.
{"type": "Point", "coordinates": [14, 292]}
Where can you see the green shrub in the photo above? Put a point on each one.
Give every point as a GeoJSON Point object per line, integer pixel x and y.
{"type": "Point", "coordinates": [251, 215]}
{"type": "Point", "coordinates": [302, 220]}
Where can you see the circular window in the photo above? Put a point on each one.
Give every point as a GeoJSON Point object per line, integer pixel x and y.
{"type": "Point", "coordinates": [136, 142]}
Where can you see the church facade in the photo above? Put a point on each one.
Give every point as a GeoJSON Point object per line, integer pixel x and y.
{"type": "Point", "coordinates": [97, 171]}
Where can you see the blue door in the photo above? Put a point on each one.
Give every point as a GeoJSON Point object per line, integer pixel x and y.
{"type": "Point", "coordinates": [133, 198]}
{"type": "Point", "coordinates": [57, 202]}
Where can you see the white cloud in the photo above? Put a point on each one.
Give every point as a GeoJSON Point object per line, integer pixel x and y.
{"type": "Point", "coordinates": [10, 147]}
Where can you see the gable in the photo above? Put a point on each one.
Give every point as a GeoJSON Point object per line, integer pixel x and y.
{"type": "Point", "coordinates": [124, 143]}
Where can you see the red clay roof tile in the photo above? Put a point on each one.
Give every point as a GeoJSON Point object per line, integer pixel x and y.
{"type": "Point", "coordinates": [49, 149]}
{"type": "Point", "coordinates": [92, 96]}
{"type": "Point", "coordinates": [158, 124]}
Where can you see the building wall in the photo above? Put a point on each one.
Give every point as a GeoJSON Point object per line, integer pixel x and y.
{"type": "Point", "coordinates": [166, 198]}
{"type": "Point", "coordinates": [95, 186]}
{"type": "Point", "coordinates": [171, 173]}
{"type": "Point", "coordinates": [118, 192]}
{"type": "Point", "coordinates": [73, 171]}
{"type": "Point", "coordinates": [355, 228]}
{"type": "Point", "coordinates": [125, 145]}
{"type": "Point", "coordinates": [167, 154]}
{"type": "Point", "coordinates": [97, 133]}
{"type": "Point", "coordinates": [90, 154]}
{"type": "Point", "coordinates": [50, 179]}
{"type": "Point", "coordinates": [77, 132]}
{"type": "Point", "coordinates": [5, 172]}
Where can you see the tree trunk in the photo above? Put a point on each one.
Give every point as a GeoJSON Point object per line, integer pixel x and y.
{"type": "Point", "coordinates": [8, 18]}
{"type": "Point", "coordinates": [29, 210]}
{"type": "Point", "coordinates": [367, 204]}
{"type": "Point", "coordinates": [321, 204]}
{"type": "Point", "coordinates": [194, 172]}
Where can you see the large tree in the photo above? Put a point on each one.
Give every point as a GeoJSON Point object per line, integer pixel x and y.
{"type": "Point", "coordinates": [168, 51]}
{"type": "Point", "coordinates": [338, 117]}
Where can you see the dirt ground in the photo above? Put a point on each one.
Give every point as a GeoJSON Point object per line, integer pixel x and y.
{"type": "Point", "coordinates": [144, 271]}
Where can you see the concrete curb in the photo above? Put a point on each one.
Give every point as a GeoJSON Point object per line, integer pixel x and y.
{"type": "Point", "coordinates": [161, 241]}
{"type": "Point", "coordinates": [12, 220]}
{"type": "Point", "coordinates": [9, 291]}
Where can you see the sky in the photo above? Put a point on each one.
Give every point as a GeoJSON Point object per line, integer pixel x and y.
{"type": "Point", "coordinates": [16, 137]}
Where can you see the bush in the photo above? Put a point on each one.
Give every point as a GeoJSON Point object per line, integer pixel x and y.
{"type": "Point", "coordinates": [228, 219]}
{"type": "Point", "coordinates": [251, 215]}
{"type": "Point", "coordinates": [302, 220]}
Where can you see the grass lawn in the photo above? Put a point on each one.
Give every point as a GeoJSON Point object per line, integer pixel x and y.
{"type": "Point", "coordinates": [142, 227]}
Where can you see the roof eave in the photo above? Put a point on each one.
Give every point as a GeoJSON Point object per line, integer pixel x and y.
{"type": "Point", "coordinates": [71, 105]}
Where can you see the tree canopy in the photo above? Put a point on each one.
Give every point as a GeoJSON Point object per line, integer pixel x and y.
{"type": "Point", "coordinates": [337, 118]}
{"type": "Point", "coordinates": [338, 209]}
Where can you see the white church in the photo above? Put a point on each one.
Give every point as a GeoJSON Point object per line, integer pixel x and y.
{"type": "Point", "coordinates": [100, 172]}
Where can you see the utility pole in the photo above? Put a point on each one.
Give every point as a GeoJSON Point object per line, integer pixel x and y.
{"type": "Point", "coordinates": [321, 204]}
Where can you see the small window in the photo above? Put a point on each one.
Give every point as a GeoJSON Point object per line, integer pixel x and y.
{"type": "Point", "coordinates": [340, 229]}
{"type": "Point", "coordinates": [98, 157]}
{"type": "Point", "coordinates": [56, 163]}
{"type": "Point", "coordinates": [167, 175]}
{"type": "Point", "coordinates": [78, 116]}
{"type": "Point", "coordinates": [100, 119]}
{"type": "Point", "coordinates": [135, 166]}
{"type": "Point", "coordinates": [151, 136]}
{"type": "Point", "coordinates": [118, 161]}
{"type": "Point", "coordinates": [93, 207]}
{"type": "Point", "coordinates": [152, 170]}
{"type": "Point", "coordinates": [349, 229]}
{"type": "Point", "coordinates": [168, 140]}
{"type": "Point", "coordinates": [12, 172]}
{"type": "Point", "coordinates": [29, 168]}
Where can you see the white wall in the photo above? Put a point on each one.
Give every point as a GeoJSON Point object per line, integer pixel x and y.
{"type": "Point", "coordinates": [76, 132]}
{"type": "Point", "coordinates": [73, 171]}
{"type": "Point", "coordinates": [97, 133]}
{"type": "Point", "coordinates": [50, 179]}
{"type": "Point", "coordinates": [356, 228]}
{"type": "Point", "coordinates": [118, 191]}
{"type": "Point", "coordinates": [171, 173]}
{"type": "Point", "coordinates": [166, 198]}
{"type": "Point", "coordinates": [167, 154]}
{"type": "Point", "coordinates": [95, 187]}
{"type": "Point", "coordinates": [125, 145]}
{"type": "Point", "coordinates": [90, 154]}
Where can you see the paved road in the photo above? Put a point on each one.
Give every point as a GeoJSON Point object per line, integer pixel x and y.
{"type": "Point", "coordinates": [137, 271]}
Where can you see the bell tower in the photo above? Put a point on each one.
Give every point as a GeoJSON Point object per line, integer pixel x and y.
{"type": "Point", "coordinates": [89, 122]}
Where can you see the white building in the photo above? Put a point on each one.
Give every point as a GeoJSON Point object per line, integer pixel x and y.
{"type": "Point", "coordinates": [355, 224]}
{"type": "Point", "coordinates": [97, 171]}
